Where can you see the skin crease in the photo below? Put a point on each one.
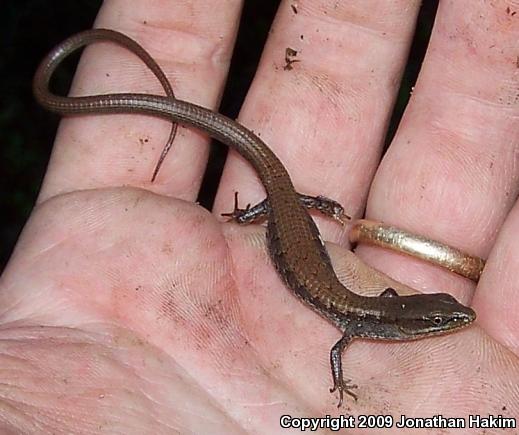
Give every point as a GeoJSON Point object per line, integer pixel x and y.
{"type": "Point", "coordinates": [129, 309]}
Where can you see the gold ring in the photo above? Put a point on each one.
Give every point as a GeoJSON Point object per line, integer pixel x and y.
{"type": "Point", "coordinates": [396, 239]}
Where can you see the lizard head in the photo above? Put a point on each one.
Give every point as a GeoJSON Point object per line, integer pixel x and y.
{"type": "Point", "coordinates": [427, 314]}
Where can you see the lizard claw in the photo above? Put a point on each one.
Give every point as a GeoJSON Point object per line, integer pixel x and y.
{"type": "Point", "coordinates": [237, 214]}
{"type": "Point", "coordinates": [344, 386]}
{"type": "Point", "coordinates": [331, 208]}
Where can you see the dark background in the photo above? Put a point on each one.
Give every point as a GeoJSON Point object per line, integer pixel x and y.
{"type": "Point", "coordinates": [30, 28]}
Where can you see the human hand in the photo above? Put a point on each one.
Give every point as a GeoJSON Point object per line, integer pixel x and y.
{"type": "Point", "coordinates": [127, 307]}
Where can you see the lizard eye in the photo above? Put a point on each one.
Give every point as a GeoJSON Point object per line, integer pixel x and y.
{"type": "Point", "coordinates": [437, 320]}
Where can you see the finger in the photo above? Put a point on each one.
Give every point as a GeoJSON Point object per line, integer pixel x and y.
{"type": "Point", "coordinates": [326, 116]}
{"type": "Point", "coordinates": [451, 173]}
{"type": "Point", "coordinates": [496, 300]}
{"type": "Point", "coordinates": [192, 43]}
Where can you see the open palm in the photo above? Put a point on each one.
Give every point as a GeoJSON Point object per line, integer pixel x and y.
{"type": "Point", "coordinates": [128, 308]}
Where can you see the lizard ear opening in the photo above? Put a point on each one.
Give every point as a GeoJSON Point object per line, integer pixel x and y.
{"type": "Point", "coordinates": [388, 293]}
